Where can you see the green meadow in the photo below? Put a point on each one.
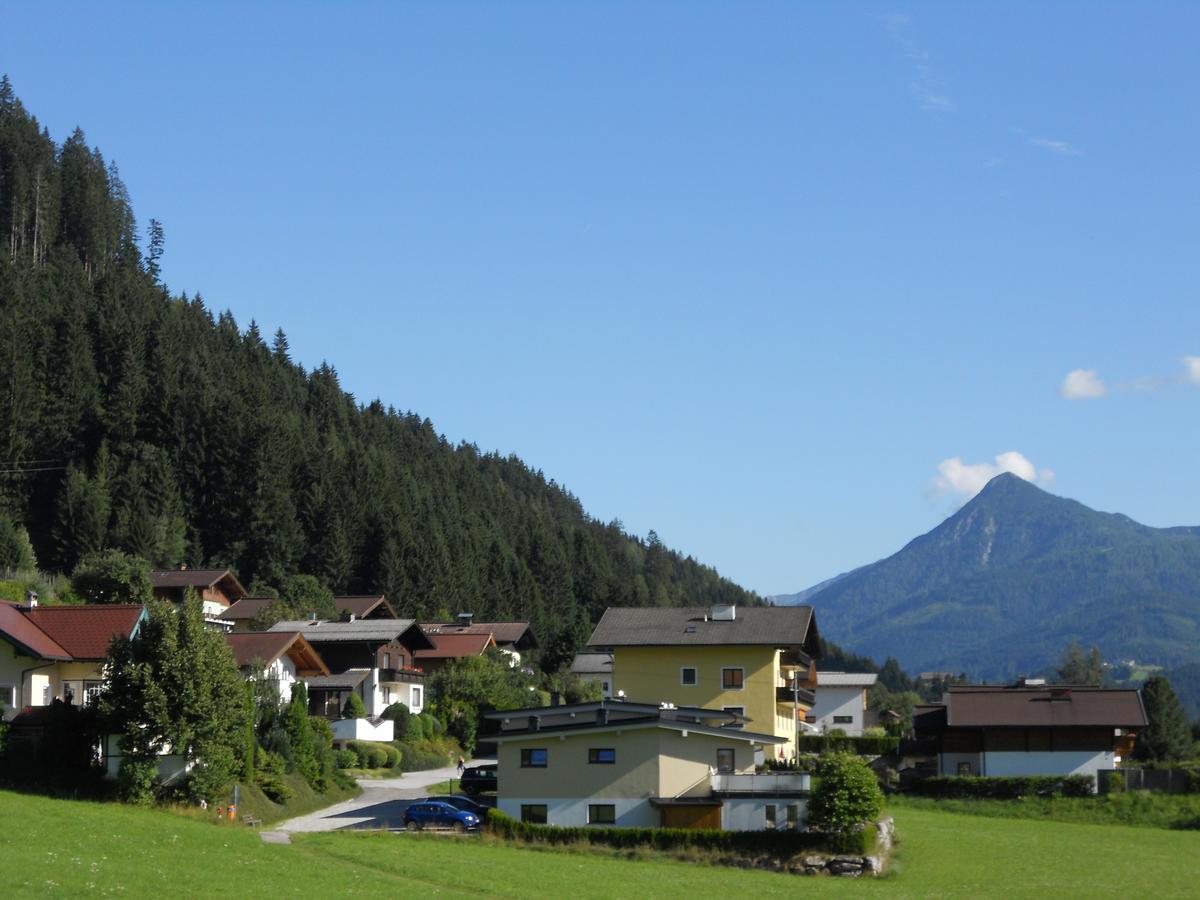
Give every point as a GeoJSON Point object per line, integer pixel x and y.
{"type": "Point", "coordinates": [70, 848]}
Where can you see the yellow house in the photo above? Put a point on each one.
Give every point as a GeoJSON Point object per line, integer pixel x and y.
{"type": "Point", "coordinates": [755, 662]}
{"type": "Point", "coordinates": [615, 763]}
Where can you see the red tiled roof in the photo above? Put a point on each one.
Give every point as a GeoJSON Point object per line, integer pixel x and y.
{"type": "Point", "coordinates": [86, 631]}
{"type": "Point", "coordinates": [27, 637]}
{"type": "Point", "coordinates": [453, 646]}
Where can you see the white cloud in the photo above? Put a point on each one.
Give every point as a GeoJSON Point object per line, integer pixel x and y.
{"type": "Point", "coordinates": [1062, 148]}
{"type": "Point", "coordinates": [1082, 384]}
{"type": "Point", "coordinates": [967, 479]}
{"type": "Point", "coordinates": [1192, 364]}
{"type": "Point", "coordinates": [924, 86]}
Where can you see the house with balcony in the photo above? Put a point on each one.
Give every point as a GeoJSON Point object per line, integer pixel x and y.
{"type": "Point", "coordinates": [1030, 728]}
{"type": "Point", "coordinates": [512, 638]}
{"type": "Point", "coordinates": [50, 653]}
{"type": "Point", "coordinates": [840, 702]}
{"type": "Point", "coordinates": [282, 658]}
{"type": "Point", "coordinates": [449, 647]}
{"type": "Point", "coordinates": [218, 589]}
{"type": "Point", "coordinates": [755, 662]}
{"type": "Point", "coordinates": [625, 764]}
{"type": "Point", "coordinates": [373, 658]}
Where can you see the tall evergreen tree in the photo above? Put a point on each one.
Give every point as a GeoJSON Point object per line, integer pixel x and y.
{"type": "Point", "coordinates": [1168, 736]}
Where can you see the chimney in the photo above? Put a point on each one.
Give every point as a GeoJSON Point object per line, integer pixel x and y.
{"type": "Point", "coordinates": [535, 723]}
{"type": "Point", "coordinates": [31, 599]}
{"type": "Point", "coordinates": [724, 613]}
{"type": "Point", "coordinates": [465, 618]}
{"type": "Point", "coordinates": [312, 617]}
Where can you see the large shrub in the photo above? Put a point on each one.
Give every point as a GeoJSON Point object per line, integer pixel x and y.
{"type": "Point", "coordinates": [110, 576]}
{"type": "Point", "coordinates": [833, 743]}
{"type": "Point", "coordinates": [354, 708]}
{"type": "Point", "coordinates": [847, 797]}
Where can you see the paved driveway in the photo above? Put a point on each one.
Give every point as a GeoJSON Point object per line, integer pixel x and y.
{"type": "Point", "coordinates": [381, 804]}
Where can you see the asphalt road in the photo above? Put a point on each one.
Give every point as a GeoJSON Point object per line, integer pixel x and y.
{"type": "Point", "coordinates": [381, 804]}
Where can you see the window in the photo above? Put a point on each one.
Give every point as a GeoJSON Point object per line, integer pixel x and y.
{"type": "Point", "coordinates": [964, 768]}
{"type": "Point", "coordinates": [687, 675]}
{"type": "Point", "coordinates": [534, 813]}
{"type": "Point", "coordinates": [534, 759]}
{"type": "Point", "coordinates": [810, 719]}
{"type": "Point", "coordinates": [843, 720]}
{"type": "Point", "coordinates": [387, 661]}
{"type": "Point", "coordinates": [793, 816]}
{"type": "Point", "coordinates": [387, 696]}
{"type": "Point", "coordinates": [725, 760]}
{"type": "Point", "coordinates": [602, 756]}
{"type": "Point", "coordinates": [731, 679]}
{"type": "Point", "coordinates": [602, 814]}
{"type": "Point", "coordinates": [47, 696]}
{"type": "Point", "coordinates": [92, 691]}
{"type": "Point", "coordinates": [605, 688]}
{"type": "Point", "coordinates": [8, 696]}
{"type": "Point", "coordinates": [770, 815]}
{"type": "Point", "coordinates": [416, 696]}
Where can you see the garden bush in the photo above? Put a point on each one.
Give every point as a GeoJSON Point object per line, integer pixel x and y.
{"type": "Point", "coordinates": [1006, 787]}
{"type": "Point", "coordinates": [833, 743]}
{"type": "Point", "coordinates": [847, 797]}
{"type": "Point", "coordinates": [780, 844]}
{"type": "Point", "coordinates": [354, 708]}
{"type": "Point", "coordinates": [345, 759]}
{"type": "Point", "coordinates": [376, 757]}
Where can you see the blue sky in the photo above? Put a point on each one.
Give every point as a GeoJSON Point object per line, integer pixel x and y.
{"type": "Point", "coordinates": [780, 281]}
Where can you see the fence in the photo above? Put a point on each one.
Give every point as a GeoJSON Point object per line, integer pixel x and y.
{"type": "Point", "coordinates": [1167, 781]}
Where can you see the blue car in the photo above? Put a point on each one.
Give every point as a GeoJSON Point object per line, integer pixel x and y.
{"type": "Point", "coordinates": [437, 814]}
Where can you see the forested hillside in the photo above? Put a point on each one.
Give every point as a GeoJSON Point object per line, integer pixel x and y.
{"type": "Point", "coordinates": [136, 419]}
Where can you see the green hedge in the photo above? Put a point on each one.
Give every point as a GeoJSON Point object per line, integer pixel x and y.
{"type": "Point", "coordinates": [781, 844]}
{"type": "Point", "coordinates": [374, 754]}
{"type": "Point", "coordinates": [832, 743]}
{"type": "Point", "coordinates": [1006, 788]}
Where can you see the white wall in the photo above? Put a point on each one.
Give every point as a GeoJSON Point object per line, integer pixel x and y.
{"type": "Point", "coordinates": [1062, 762]}
{"type": "Point", "coordinates": [750, 813]}
{"type": "Point", "coordinates": [11, 668]}
{"type": "Point", "coordinates": [839, 701]}
{"type": "Point", "coordinates": [630, 812]}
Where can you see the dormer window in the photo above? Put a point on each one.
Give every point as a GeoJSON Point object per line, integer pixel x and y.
{"type": "Point", "coordinates": [690, 629]}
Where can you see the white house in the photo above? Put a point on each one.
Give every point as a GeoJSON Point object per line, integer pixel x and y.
{"type": "Point", "coordinates": [841, 701]}
{"type": "Point", "coordinates": [282, 657]}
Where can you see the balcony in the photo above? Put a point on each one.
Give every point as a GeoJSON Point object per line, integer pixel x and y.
{"type": "Point", "coordinates": [406, 675]}
{"type": "Point", "coordinates": [768, 783]}
{"type": "Point", "coordinates": [802, 696]}
{"type": "Point", "coordinates": [363, 730]}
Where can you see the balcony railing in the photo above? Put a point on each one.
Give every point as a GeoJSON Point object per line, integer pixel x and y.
{"type": "Point", "coordinates": [767, 783]}
{"type": "Point", "coordinates": [402, 676]}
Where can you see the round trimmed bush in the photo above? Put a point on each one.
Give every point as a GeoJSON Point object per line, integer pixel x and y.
{"type": "Point", "coordinates": [847, 797]}
{"type": "Point", "coordinates": [393, 756]}
{"type": "Point", "coordinates": [345, 759]}
{"type": "Point", "coordinates": [376, 757]}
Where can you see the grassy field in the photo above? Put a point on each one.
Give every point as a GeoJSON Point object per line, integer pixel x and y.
{"type": "Point", "coordinates": [1143, 809]}
{"type": "Point", "coordinates": [65, 847]}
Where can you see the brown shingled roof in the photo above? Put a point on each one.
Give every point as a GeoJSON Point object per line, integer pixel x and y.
{"type": "Point", "coordinates": [690, 626]}
{"type": "Point", "coordinates": [363, 605]}
{"type": "Point", "coordinates": [268, 646]}
{"type": "Point", "coordinates": [246, 608]}
{"type": "Point", "coordinates": [976, 707]}
{"type": "Point", "coordinates": [519, 634]}
{"type": "Point", "coordinates": [455, 646]}
{"type": "Point", "coordinates": [86, 631]}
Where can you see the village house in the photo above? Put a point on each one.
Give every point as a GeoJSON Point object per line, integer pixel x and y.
{"type": "Point", "coordinates": [628, 764]}
{"type": "Point", "coordinates": [245, 612]}
{"type": "Point", "coordinates": [218, 589]}
{"type": "Point", "coordinates": [1030, 729]}
{"type": "Point", "coordinates": [50, 653]}
{"type": "Point", "coordinates": [283, 658]}
{"type": "Point", "coordinates": [511, 638]}
{"type": "Point", "coordinates": [596, 668]}
{"type": "Point", "coordinates": [840, 702]}
{"type": "Point", "coordinates": [755, 662]}
{"type": "Point", "coordinates": [372, 658]}
{"type": "Point", "coordinates": [449, 647]}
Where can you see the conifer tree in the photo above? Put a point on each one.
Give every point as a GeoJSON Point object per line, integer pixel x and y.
{"type": "Point", "coordinates": [1168, 736]}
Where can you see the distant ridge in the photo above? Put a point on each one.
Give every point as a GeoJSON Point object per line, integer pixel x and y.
{"type": "Point", "coordinates": [1000, 587]}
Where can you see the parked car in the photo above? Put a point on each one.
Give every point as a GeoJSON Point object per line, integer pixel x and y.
{"type": "Point", "coordinates": [438, 814]}
{"type": "Point", "coordinates": [466, 804]}
{"type": "Point", "coordinates": [477, 779]}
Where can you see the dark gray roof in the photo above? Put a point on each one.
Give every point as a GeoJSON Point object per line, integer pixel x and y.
{"type": "Point", "coordinates": [772, 626]}
{"type": "Point", "coordinates": [592, 664]}
{"type": "Point", "coordinates": [380, 630]}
